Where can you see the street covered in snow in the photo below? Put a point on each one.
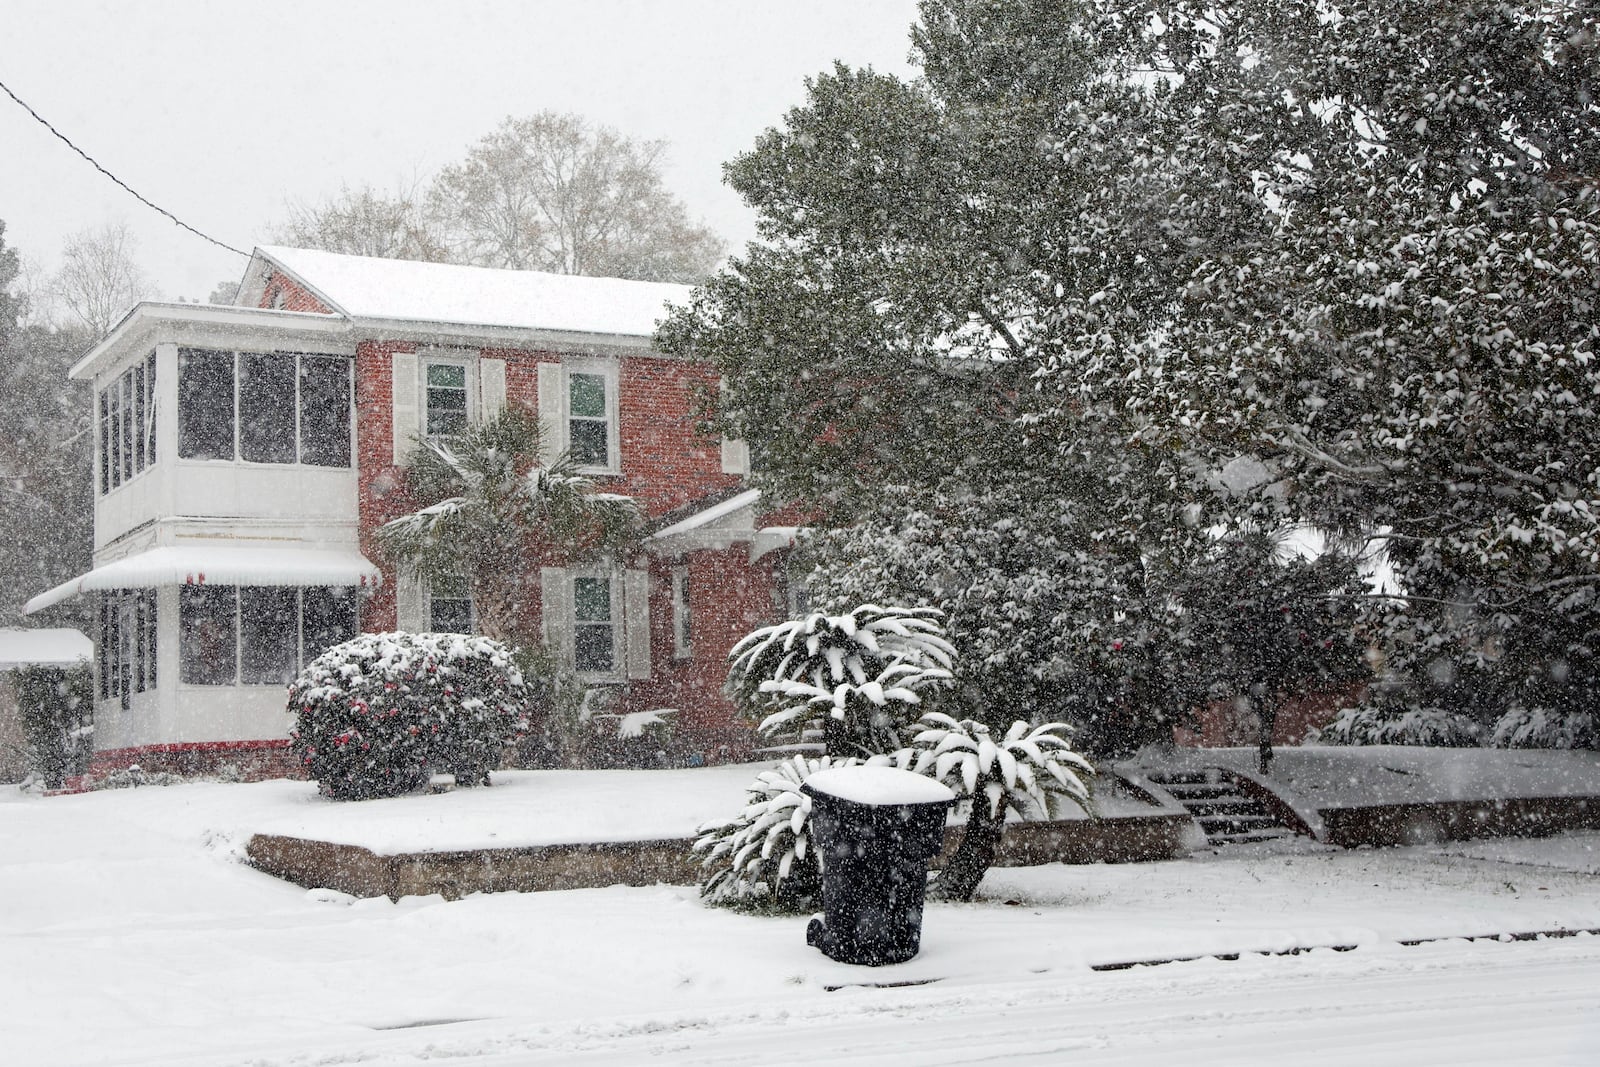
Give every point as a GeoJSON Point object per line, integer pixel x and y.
{"type": "Point", "coordinates": [133, 934]}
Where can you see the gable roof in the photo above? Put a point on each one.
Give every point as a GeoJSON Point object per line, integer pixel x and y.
{"type": "Point", "coordinates": [365, 287]}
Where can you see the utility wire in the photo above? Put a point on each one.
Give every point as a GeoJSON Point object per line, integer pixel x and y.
{"type": "Point", "coordinates": [113, 177]}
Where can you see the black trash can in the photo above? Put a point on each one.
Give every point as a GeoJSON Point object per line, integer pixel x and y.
{"type": "Point", "coordinates": [874, 829]}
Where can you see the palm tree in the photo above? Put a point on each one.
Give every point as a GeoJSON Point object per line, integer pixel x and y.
{"type": "Point", "coordinates": [497, 516]}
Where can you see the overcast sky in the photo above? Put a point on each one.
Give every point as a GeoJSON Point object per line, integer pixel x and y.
{"type": "Point", "coordinates": [221, 112]}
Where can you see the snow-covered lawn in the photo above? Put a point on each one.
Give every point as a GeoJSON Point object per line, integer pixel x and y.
{"type": "Point", "coordinates": [131, 934]}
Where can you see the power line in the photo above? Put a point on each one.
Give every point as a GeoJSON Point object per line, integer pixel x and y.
{"type": "Point", "coordinates": [64, 140]}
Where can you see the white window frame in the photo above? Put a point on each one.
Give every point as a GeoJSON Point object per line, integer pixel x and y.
{"type": "Point", "coordinates": [472, 605]}
{"type": "Point", "coordinates": [469, 383]}
{"type": "Point", "coordinates": [617, 622]}
{"type": "Point", "coordinates": [555, 393]}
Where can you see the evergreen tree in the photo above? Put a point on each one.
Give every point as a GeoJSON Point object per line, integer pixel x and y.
{"type": "Point", "coordinates": [46, 456]}
{"type": "Point", "coordinates": [1407, 338]}
{"type": "Point", "coordinates": [938, 257]}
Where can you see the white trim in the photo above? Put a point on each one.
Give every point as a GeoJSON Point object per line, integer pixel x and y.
{"type": "Point", "coordinates": [552, 412]}
{"type": "Point", "coordinates": [636, 622]}
{"type": "Point", "coordinates": [746, 499]}
{"type": "Point", "coordinates": [491, 387]}
{"type": "Point", "coordinates": [773, 539]}
{"type": "Point", "coordinates": [403, 396]}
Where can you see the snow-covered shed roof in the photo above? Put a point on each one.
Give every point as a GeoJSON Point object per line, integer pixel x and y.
{"type": "Point", "coordinates": [218, 565]}
{"type": "Point", "coordinates": [59, 647]}
{"type": "Point", "coordinates": [365, 287]}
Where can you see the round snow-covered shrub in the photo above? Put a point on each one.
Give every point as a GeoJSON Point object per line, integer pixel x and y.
{"type": "Point", "coordinates": [376, 716]}
{"type": "Point", "coordinates": [763, 857]}
{"type": "Point", "coordinates": [1388, 722]}
{"type": "Point", "coordinates": [1542, 728]}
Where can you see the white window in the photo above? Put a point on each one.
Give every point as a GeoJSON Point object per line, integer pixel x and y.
{"type": "Point", "coordinates": [444, 397]}
{"type": "Point", "coordinates": [682, 615]}
{"type": "Point", "coordinates": [598, 620]}
{"type": "Point", "coordinates": [450, 606]}
{"type": "Point", "coordinates": [594, 625]}
{"type": "Point", "coordinates": [578, 410]}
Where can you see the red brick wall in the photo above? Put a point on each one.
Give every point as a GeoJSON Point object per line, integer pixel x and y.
{"type": "Point", "coordinates": [1220, 724]}
{"type": "Point", "coordinates": [295, 297]}
{"type": "Point", "coordinates": [728, 597]}
{"type": "Point", "coordinates": [665, 465]}
{"type": "Point", "coordinates": [381, 486]}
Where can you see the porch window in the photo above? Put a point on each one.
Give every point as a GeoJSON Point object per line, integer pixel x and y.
{"type": "Point", "coordinates": [264, 407]}
{"type": "Point", "coordinates": [258, 635]}
{"type": "Point", "coordinates": [127, 434]}
{"type": "Point", "coordinates": [127, 640]}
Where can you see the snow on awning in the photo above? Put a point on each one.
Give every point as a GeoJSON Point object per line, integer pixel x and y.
{"type": "Point", "coordinates": [772, 539]}
{"type": "Point", "coordinates": [706, 517]}
{"type": "Point", "coordinates": [43, 648]}
{"type": "Point", "coordinates": [218, 565]}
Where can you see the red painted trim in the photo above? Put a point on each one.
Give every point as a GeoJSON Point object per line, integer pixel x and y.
{"type": "Point", "coordinates": [192, 746]}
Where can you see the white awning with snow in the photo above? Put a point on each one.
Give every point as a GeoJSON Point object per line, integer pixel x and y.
{"type": "Point", "coordinates": [43, 648]}
{"type": "Point", "coordinates": [218, 565]}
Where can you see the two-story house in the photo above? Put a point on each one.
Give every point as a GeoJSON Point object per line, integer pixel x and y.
{"type": "Point", "coordinates": [245, 455]}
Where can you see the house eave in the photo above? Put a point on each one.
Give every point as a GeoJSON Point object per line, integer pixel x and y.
{"type": "Point", "coordinates": [149, 322]}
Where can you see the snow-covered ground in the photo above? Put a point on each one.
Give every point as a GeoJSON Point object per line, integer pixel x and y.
{"type": "Point", "coordinates": [130, 933]}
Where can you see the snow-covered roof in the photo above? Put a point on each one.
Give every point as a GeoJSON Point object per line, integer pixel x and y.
{"type": "Point", "coordinates": [219, 565]}
{"type": "Point", "coordinates": [59, 647]}
{"type": "Point", "coordinates": [365, 287]}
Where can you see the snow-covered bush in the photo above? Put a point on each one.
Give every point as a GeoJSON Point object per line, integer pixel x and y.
{"type": "Point", "coordinates": [377, 715]}
{"type": "Point", "coordinates": [1386, 721]}
{"type": "Point", "coordinates": [763, 856]}
{"type": "Point", "coordinates": [1541, 728]}
{"type": "Point", "coordinates": [1029, 771]}
{"type": "Point", "coordinates": [856, 678]}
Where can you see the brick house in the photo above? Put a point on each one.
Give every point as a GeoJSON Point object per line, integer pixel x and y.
{"type": "Point", "coordinates": [245, 454]}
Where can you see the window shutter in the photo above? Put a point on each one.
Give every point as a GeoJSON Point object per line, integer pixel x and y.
{"type": "Point", "coordinates": [555, 595]}
{"type": "Point", "coordinates": [636, 617]}
{"type": "Point", "coordinates": [552, 412]}
{"type": "Point", "coordinates": [410, 603]}
{"type": "Point", "coordinates": [405, 404]}
{"type": "Point", "coordinates": [735, 456]}
{"type": "Point", "coordinates": [491, 387]}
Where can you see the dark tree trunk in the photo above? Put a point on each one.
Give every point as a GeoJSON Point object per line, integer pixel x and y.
{"type": "Point", "coordinates": [975, 855]}
{"type": "Point", "coordinates": [1267, 716]}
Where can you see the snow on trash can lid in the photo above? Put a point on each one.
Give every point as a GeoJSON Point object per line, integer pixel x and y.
{"type": "Point", "coordinates": [879, 786]}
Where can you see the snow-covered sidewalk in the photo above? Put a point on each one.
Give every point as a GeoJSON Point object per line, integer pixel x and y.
{"type": "Point", "coordinates": [131, 934]}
